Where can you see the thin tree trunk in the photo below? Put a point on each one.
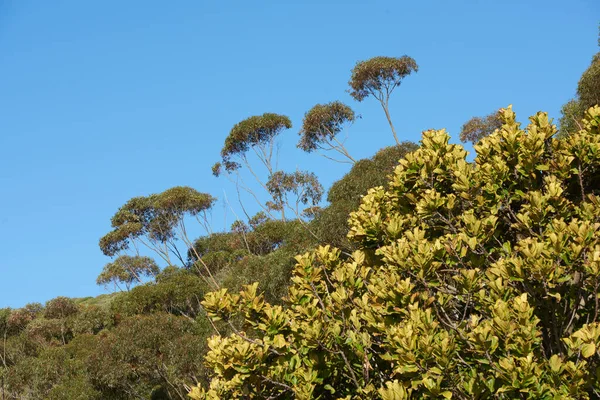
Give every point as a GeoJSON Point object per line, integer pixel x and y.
{"type": "Point", "coordinates": [385, 106]}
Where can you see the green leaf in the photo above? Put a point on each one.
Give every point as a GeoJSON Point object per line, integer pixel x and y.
{"type": "Point", "coordinates": [555, 363]}
{"type": "Point", "coordinates": [588, 350]}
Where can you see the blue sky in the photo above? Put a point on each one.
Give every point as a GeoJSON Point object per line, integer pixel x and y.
{"type": "Point", "coordinates": [103, 101]}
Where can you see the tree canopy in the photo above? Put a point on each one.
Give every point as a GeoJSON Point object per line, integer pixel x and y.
{"type": "Point", "coordinates": [127, 270]}
{"type": "Point", "coordinates": [321, 126]}
{"type": "Point", "coordinates": [154, 221]}
{"type": "Point", "coordinates": [255, 133]}
{"type": "Point", "coordinates": [378, 77]}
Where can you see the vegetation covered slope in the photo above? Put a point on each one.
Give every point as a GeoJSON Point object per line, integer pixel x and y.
{"type": "Point", "coordinates": [457, 279]}
{"type": "Point", "coordinates": [150, 341]}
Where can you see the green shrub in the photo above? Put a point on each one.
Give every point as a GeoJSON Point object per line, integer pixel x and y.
{"type": "Point", "coordinates": [331, 223]}
{"type": "Point", "coordinates": [177, 292]}
{"type": "Point", "coordinates": [470, 281]}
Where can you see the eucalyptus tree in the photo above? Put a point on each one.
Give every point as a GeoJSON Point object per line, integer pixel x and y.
{"type": "Point", "coordinates": [378, 77]}
{"type": "Point", "coordinates": [127, 270]}
{"type": "Point", "coordinates": [255, 135]}
{"type": "Point", "coordinates": [303, 185]}
{"type": "Point", "coordinates": [321, 126]}
{"type": "Point", "coordinates": [157, 222]}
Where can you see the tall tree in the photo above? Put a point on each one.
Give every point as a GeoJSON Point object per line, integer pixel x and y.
{"type": "Point", "coordinates": [378, 77]}
{"type": "Point", "coordinates": [258, 135]}
{"type": "Point", "coordinates": [157, 222]}
{"type": "Point", "coordinates": [321, 126]}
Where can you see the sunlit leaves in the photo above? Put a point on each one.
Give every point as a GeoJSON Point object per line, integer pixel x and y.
{"type": "Point", "coordinates": [471, 280]}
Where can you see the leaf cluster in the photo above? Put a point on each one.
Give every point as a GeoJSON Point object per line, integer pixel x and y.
{"type": "Point", "coordinates": [588, 95]}
{"type": "Point", "coordinates": [253, 131]}
{"type": "Point", "coordinates": [379, 75]}
{"type": "Point", "coordinates": [323, 123]}
{"type": "Point", "coordinates": [155, 216]}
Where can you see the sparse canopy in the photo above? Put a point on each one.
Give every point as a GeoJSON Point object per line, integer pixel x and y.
{"type": "Point", "coordinates": [303, 185]}
{"type": "Point", "coordinates": [322, 124]}
{"type": "Point", "coordinates": [257, 133]}
{"type": "Point", "coordinates": [127, 270]}
{"type": "Point", "coordinates": [477, 128]}
{"type": "Point", "coordinates": [155, 220]}
{"type": "Point", "coordinates": [378, 77]}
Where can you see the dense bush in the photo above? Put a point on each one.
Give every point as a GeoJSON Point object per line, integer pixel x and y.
{"type": "Point", "coordinates": [147, 354]}
{"type": "Point", "coordinates": [179, 292]}
{"type": "Point", "coordinates": [470, 280]}
{"type": "Point", "coordinates": [331, 224]}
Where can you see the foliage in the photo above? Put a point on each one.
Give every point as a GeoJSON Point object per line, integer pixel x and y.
{"type": "Point", "coordinates": [321, 126]}
{"type": "Point", "coordinates": [157, 218]}
{"type": "Point", "coordinates": [477, 128]}
{"type": "Point", "coordinates": [303, 185]}
{"type": "Point", "coordinates": [571, 111]}
{"type": "Point", "coordinates": [17, 320]}
{"type": "Point", "coordinates": [56, 373]}
{"type": "Point", "coordinates": [217, 251]}
{"type": "Point", "coordinates": [60, 307]}
{"type": "Point", "coordinates": [101, 301]}
{"type": "Point", "coordinates": [378, 77]}
{"type": "Point", "coordinates": [178, 293]}
{"type": "Point", "coordinates": [127, 270]}
{"type": "Point", "coordinates": [254, 131]}
{"type": "Point", "coordinates": [331, 223]}
{"type": "Point", "coordinates": [588, 88]}
{"type": "Point", "coordinates": [470, 281]}
{"type": "Point", "coordinates": [379, 74]}
{"type": "Point", "coordinates": [92, 320]}
{"type": "Point", "coordinates": [588, 95]}
{"type": "Point", "coordinates": [147, 353]}
{"type": "Point", "coordinates": [272, 246]}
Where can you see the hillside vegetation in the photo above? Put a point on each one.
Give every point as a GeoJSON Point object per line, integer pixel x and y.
{"type": "Point", "coordinates": [424, 274]}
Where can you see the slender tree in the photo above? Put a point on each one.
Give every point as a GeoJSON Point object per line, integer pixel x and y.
{"type": "Point", "coordinates": [255, 135]}
{"type": "Point", "coordinates": [321, 127]}
{"type": "Point", "coordinates": [157, 221]}
{"type": "Point", "coordinates": [378, 77]}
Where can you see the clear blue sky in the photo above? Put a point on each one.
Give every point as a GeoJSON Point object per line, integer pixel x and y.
{"type": "Point", "coordinates": [102, 101]}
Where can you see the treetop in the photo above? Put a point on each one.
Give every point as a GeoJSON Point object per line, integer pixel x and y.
{"type": "Point", "coordinates": [379, 74]}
